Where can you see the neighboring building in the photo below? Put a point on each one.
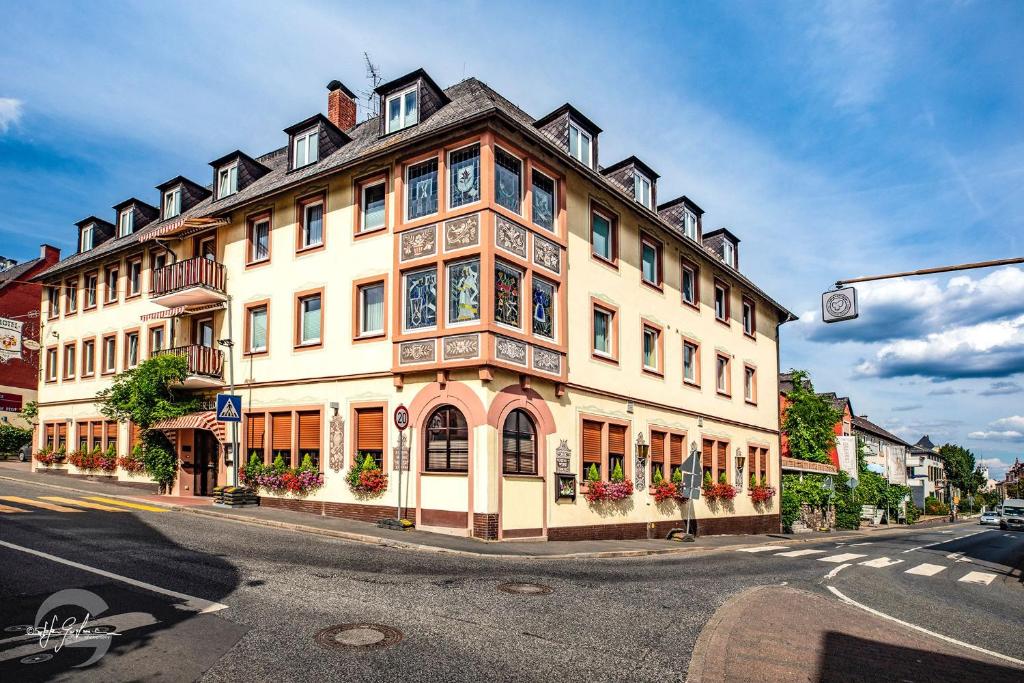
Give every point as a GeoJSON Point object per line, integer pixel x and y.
{"type": "Point", "coordinates": [926, 471]}
{"type": "Point", "coordinates": [844, 427]}
{"type": "Point", "coordinates": [1010, 486]}
{"type": "Point", "coordinates": [423, 258]}
{"type": "Point", "coordinates": [19, 303]}
{"type": "Point", "coordinates": [885, 453]}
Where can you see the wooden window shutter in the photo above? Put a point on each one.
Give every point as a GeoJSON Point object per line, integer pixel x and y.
{"type": "Point", "coordinates": [256, 430]}
{"type": "Point", "coordinates": [657, 446]}
{"type": "Point", "coordinates": [617, 440]}
{"type": "Point", "coordinates": [62, 432]}
{"type": "Point", "coordinates": [707, 453]}
{"type": "Point", "coordinates": [591, 441]}
{"type": "Point", "coordinates": [281, 431]}
{"type": "Point", "coordinates": [111, 430]}
{"type": "Point", "coordinates": [677, 441]}
{"type": "Point", "coordinates": [309, 430]}
{"type": "Point", "coordinates": [133, 434]}
{"type": "Point", "coordinates": [97, 432]}
{"type": "Point", "coordinates": [369, 429]}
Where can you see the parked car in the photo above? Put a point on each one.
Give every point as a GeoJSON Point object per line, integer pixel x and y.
{"type": "Point", "coordinates": [1012, 517]}
{"type": "Point", "coordinates": [25, 454]}
{"type": "Point", "coordinates": [990, 517]}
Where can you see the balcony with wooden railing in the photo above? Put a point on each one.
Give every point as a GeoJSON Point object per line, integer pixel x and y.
{"type": "Point", "coordinates": [189, 282]}
{"type": "Point", "coordinates": [205, 365]}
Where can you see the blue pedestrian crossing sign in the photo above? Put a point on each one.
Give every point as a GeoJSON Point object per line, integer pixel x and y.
{"type": "Point", "coordinates": [229, 408]}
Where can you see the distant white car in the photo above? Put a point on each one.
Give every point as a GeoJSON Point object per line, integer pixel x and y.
{"type": "Point", "coordinates": [990, 517]}
{"type": "Point", "coordinates": [1012, 515]}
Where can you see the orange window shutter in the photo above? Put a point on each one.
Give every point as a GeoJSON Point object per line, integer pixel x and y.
{"type": "Point", "coordinates": [707, 453]}
{"type": "Point", "coordinates": [134, 433]}
{"type": "Point", "coordinates": [591, 441]}
{"type": "Point", "coordinates": [97, 432]}
{"type": "Point", "coordinates": [309, 430]}
{"type": "Point", "coordinates": [62, 431]}
{"type": "Point", "coordinates": [657, 446]}
{"type": "Point", "coordinates": [256, 430]}
{"type": "Point", "coordinates": [616, 440]}
{"type": "Point", "coordinates": [676, 449]}
{"type": "Point", "coordinates": [370, 429]}
{"type": "Point", "coordinates": [281, 431]}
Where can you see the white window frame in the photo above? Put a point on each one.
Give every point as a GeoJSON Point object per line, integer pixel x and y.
{"type": "Point", "coordinates": [647, 329]}
{"type": "Point", "coordinates": [303, 302]}
{"type": "Point", "coordinates": [129, 361]}
{"type": "Point", "coordinates": [722, 378]}
{"type": "Point", "coordinates": [589, 161]}
{"type": "Point", "coordinates": [693, 361]}
{"type": "Point", "coordinates": [253, 255]}
{"type": "Point", "coordinates": [51, 367]}
{"type": "Point", "coordinates": [729, 253]}
{"type": "Point", "coordinates": [70, 353]}
{"type": "Point", "coordinates": [362, 289]}
{"type": "Point", "coordinates": [748, 317]}
{"type": "Point", "coordinates": [304, 229]}
{"type": "Point", "coordinates": [362, 206]}
{"type": "Point", "coordinates": [252, 328]}
{"type": "Point", "coordinates": [611, 236]}
{"type": "Point", "coordinates": [126, 221]}
{"type": "Point", "coordinates": [88, 358]}
{"type": "Point", "coordinates": [86, 241]}
{"type": "Point", "coordinates": [609, 333]}
{"type": "Point", "coordinates": [174, 194]}
{"type": "Point", "coordinates": [684, 269]}
{"type": "Point", "coordinates": [310, 139]}
{"type": "Point", "coordinates": [232, 180]}
{"type": "Point", "coordinates": [154, 332]}
{"type": "Point", "coordinates": [109, 360]}
{"type": "Point", "coordinates": [402, 113]}
{"type": "Point", "coordinates": [725, 303]}
{"type": "Point", "coordinates": [134, 286]}
{"type": "Point", "coordinates": [690, 224]}
{"type": "Point", "coordinates": [640, 183]}
{"type": "Point", "coordinates": [749, 374]}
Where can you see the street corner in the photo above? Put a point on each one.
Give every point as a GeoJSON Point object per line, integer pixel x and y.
{"type": "Point", "coordinates": [812, 637]}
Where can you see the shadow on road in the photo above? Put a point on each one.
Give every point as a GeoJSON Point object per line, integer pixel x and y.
{"type": "Point", "coordinates": [849, 658]}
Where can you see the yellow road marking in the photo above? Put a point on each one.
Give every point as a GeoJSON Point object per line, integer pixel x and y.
{"type": "Point", "coordinates": [38, 504]}
{"type": "Point", "coordinates": [123, 503]}
{"type": "Point", "coordinates": [8, 508]}
{"type": "Point", "coordinates": [82, 504]}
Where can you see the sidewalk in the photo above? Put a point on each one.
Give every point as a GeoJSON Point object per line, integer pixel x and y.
{"type": "Point", "coordinates": [366, 532]}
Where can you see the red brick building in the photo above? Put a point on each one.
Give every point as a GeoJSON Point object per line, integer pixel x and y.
{"type": "Point", "coordinates": [19, 301]}
{"type": "Point", "coordinates": [841, 403]}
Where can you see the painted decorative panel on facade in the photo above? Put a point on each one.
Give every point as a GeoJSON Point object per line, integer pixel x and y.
{"type": "Point", "coordinates": [461, 347]}
{"type": "Point", "coordinates": [418, 243]}
{"type": "Point", "coordinates": [463, 232]}
{"type": "Point", "coordinates": [421, 351]}
{"type": "Point", "coordinates": [510, 350]}
{"type": "Point", "coordinates": [547, 361]}
{"type": "Point", "coordinates": [510, 237]}
{"type": "Point", "coordinates": [547, 254]}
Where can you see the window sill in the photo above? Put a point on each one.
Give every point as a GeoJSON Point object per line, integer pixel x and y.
{"type": "Point", "coordinates": [751, 337]}
{"type": "Point", "coordinates": [257, 264]}
{"type": "Point", "coordinates": [650, 285]}
{"type": "Point", "coordinates": [721, 321]}
{"type": "Point", "coordinates": [133, 296]}
{"type": "Point", "coordinates": [723, 394]}
{"type": "Point", "coordinates": [525, 477]}
{"type": "Point", "coordinates": [442, 473]}
{"type": "Point", "coordinates": [310, 249]}
{"type": "Point", "coordinates": [602, 260]}
{"type": "Point", "coordinates": [690, 304]}
{"type": "Point", "coordinates": [89, 308]}
{"type": "Point", "coordinates": [253, 354]}
{"type": "Point", "coordinates": [691, 384]}
{"type": "Point", "coordinates": [611, 360]}
{"type": "Point", "coordinates": [749, 402]}
{"type": "Point", "coordinates": [370, 233]}
{"type": "Point", "coordinates": [370, 336]}
{"type": "Point", "coordinates": [309, 347]}
{"type": "Point", "coordinates": [654, 373]}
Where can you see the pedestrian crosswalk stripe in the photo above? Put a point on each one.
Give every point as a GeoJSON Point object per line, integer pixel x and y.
{"type": "Point", "coordinates": [38, 504]}
{"type": "Point", "coordinates": [8, 508]}
{"type": "Point", "coordinates": [124, 503]}
{"type": "Point", "coordinates": [880, 562]}
{"type": "Point", "coordinates": [984, 578]}
{"type": "Point", "coordinates": [799, 553]}
{"type": "Point", "coordinates": [762, 549]}
{"type": "Point", "coordinates": [842, 557]}
{"type": "Point", "coordinates": [925, 569]}
{"type": "Point", "coordinates": [82, 504]}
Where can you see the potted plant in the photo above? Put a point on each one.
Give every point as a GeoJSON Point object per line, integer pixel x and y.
{"type": "Point", "coordinates": [760, 492]}
{"type": "Point", "coordinates": [615, 489]}
{"type": "Point", "coordinates": [44, 456]}
{"type": "Point", "coordinates": [723, 489]}
{"type": "Point", "coordinates": [132, 462]}
{"type": "Point", "coordinates": [709, 489]}
{"type": "Point", "coordinates": [279, 478]}
{"type": "Point", "coordinates": [366, 479]}
{"type": "Point", "coordinates": [664, 490]}
{"type": "Point", "coordinates": [108, 460]}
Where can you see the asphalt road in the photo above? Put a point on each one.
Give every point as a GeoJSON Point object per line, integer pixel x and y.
{"type": "Point", "coordinates": [254, 599]}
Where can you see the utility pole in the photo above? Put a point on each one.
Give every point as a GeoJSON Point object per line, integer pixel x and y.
{"type": "Point", "coordinates": [229, 344]}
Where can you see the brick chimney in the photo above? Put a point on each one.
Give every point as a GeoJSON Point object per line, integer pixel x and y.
{"type": "Point", "coordinates": [341, 105]}
{"type": "Point", "coordinates": [50, 254]}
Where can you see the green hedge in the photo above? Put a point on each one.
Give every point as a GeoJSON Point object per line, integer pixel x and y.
{"type": "Point", "coordinates": [13, 438]}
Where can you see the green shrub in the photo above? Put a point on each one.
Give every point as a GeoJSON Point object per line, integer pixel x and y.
{"type": "Point", "coordinates": [677, 476]}
{"type": "Point", "coordinates": [617, 474]}
{"type": "Point", "coordinates": [657, 478]}
{"type": "Point", "coordinates": [13, 439]}
{"type": "Point", "coordinates": [593, 474]}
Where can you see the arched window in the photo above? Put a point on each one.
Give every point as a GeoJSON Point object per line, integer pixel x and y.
{"type": "Point", "coordinates": [447, 441]}
{"type": "Point", "coordinates": [519, 444]}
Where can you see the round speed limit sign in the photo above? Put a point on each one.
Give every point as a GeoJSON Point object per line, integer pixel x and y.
{"type": "Point", "coordinates": [401, 417]}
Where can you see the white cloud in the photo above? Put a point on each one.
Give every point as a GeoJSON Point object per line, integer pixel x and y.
{"type": "Point", "coordinates": [1005, 435]}
{"type": "Point", "coordinates": [1014, 421]}
{"type": "Point", "coordinates": [10, 113]}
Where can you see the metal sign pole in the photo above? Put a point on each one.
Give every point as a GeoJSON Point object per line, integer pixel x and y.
{"type": "Point", "coordinates": [401, 454]}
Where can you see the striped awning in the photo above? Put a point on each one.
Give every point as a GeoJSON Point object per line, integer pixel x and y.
{"type": "Point", "coordinates": [206, 419]}
{"type": "Point", "coordinates": [183, 227]}
{"type": "Point", "coordinates": [166, 313]}
{"type": "Point", "coordinates": [797, 465]}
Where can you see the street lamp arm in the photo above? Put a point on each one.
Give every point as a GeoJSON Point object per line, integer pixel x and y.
{"type": "Point", "coordinates": [929, 271]}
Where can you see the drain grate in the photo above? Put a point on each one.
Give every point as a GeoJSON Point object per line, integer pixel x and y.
{"type": "Point", "coordinates": [520, 588]}
{"type": "Point", "coordinates": [348, 636]}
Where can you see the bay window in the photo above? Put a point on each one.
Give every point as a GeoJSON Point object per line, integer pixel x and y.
{"type": "Point", "coordinates": [463, 176]}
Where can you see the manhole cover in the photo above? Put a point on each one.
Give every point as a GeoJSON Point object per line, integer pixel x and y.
{"type": "Point", "coordinates": [358, 635]}
{"type": "Point", "coordinates": [525, 588]}
{"type": "Point", "coordinates": [36, 659]}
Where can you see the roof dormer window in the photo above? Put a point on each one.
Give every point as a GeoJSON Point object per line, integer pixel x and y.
{"type": "Point", "coordinates": [305, 148]}
{"type": "Point", "coordinates": [172, 202]}
{"type": "Point", "coordinates": [126, 222]}
{"type": "Point", "coordinates": [85, 243]}
{"type": "Point", "coordinates": [690, 224]}
{"type": "Point", "coordinates": [729, 253]}
{"type": "Point", "coordinates": [227, 180]}
{"type": "Point", "coordinates": [642, 189]}
{"type": "Point", "coordinates": [580, 145]}
{"type": "Point", "coordinates": [402, 110]}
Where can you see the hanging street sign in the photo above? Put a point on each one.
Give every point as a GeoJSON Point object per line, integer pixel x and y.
{"type": "Point", "coordinates": [839, 304]}
{"type": "Point", "coordinates": [401, 418]}
{"type": "Point", "coordinates": [229, 408]}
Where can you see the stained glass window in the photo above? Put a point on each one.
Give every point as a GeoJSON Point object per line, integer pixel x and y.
{"type": "Point", "coordinates": [422, 189]}
{"type": "Point", "coordinates": [543, 201]}
{"type": "Point", "coordinates": [543, 307]}
{"type": "Point", "coordinates": [507, 281]}
{"type": "Point", "coordinates": [464, 176]}
{"type": "Point", "coordinates": [421, 299]}
{"type": "Point", "coordinates": [508, 180]}
{"type": "Point", "coordinates": [464, 291]}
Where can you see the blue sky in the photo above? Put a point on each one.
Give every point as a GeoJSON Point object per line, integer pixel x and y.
{"type": "Point", "coordinates": [835, 138]}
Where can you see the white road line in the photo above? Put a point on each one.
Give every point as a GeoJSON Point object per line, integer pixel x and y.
{"type": "Point", "coordinates": [832, 574]}
{"type": "Point", "coordinates": [984, 578]}
{"type": "Point", "coordinates": [841, 557]}
{"type": "Point", "coordinates": [864, 543]}
{"type": "Point", "coordinates": [799, 553]}
{"type": "Point", "coordinates": [191, 602]}
{"type": "Point", "coordinates": [854, 603]}
{"type": "Point", "coordinates": [762, 549]}
{"type": "Point", "coordinates": [954, 556]}
{"type": "Point", "coordinates": [880, 562]}
{"type": "Point", "coordinates": [913, 549]}
{"type": "Point", "coordinates": [925, 569]}
{"type": "Point", "coordinates": [946, 532]}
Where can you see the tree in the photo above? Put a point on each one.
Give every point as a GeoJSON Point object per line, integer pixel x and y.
{"type": "Point", "coordinates": [13, 438]}
{"type": "Point", "coordinates": [145, 395]}
{"type": "Point", "coordinates": [810, 421]}
{"type": "Point", "coordinates": [961, 469]}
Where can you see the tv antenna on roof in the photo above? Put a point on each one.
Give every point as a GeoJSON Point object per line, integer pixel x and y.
{"type": "Point", "coordinates": [373, 74]}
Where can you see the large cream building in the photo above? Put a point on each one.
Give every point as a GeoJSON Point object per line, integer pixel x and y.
{"type": "Point", "coordinates": [537, 313]}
